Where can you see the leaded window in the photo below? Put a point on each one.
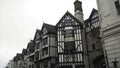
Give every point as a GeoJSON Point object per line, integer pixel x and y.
{"type": "Point", "coordinates": [69, 33]}
{"type": "Point", "coordinates": [69, 46]}
{"type": "Point", "coordinates": [69, 39]}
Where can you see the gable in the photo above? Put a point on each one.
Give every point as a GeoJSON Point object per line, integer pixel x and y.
{"type": "Point", "coordinates": [48, 28]}
{"type": "Point", "coordinates": [37, 34]}
{"type": "Point", "coordinates": [44, 30]}
{"type": "Point", "coordinates": [94, 13]}
{"type": "Point", "coordinates": [67, 20]}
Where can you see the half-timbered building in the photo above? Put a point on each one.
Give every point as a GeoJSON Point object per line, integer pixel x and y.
{"type": "Point", "coordinates": [47, 47]}
{"type": "Point", "coordinates": [69, 41]}
{"type": "Point", "coordinates": [94, 42]}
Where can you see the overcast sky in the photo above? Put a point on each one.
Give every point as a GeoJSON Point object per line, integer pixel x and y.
{"type": "Point", "coordinates": [19, 20]}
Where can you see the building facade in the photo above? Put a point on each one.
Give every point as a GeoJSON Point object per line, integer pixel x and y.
{"type": "Point", "coordinates": [94, 42]}
{"type": "Point", "coordinates": [71, 43]}
{"type": "Point", "coordinates": [45, 47]}
{"type": "Point", "coordinates": [10, 64]}
{"type": "Point", "coordinates": [109, 12]}
{"type": "Point", "coordinates": [48, 48]}
{"type": "Point", "coordinates": [28, 53]}
{"type": "Point", "coordinates": [17, 61]}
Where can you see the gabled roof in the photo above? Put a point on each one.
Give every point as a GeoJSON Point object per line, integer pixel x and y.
{"type": "Point", "coordinates": [89, 19]}
{"type": "Point", "coordinates": [49, 28]}
{"type": "Point", "coordinates": [18, 56]}
{"type": "Point", "coordinates": [37, 32]}
{"type": "Point", "coordinates": [68, 13]}
{"type": "Point", "coordinates": [24, 51]}
{"type": "Point", "coordinates": [15, 58]}
{"type": "Point", "coordinates": [92, 12]}
{"type": "Point", "coordinates": [31, 46]}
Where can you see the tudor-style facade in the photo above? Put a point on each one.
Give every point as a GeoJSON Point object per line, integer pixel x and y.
{"type": "Point", "coordinates": [47, 47]}
{"type": "Point", "coordinates": [72, 43]}
{"type": "Point", "coordinates": [69, 42]}
{"type": "Point", "coordinates": [94, 42]}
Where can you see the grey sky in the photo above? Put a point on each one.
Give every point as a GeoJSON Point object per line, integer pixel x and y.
{"type": "Point", "coordinates": [19, 20]}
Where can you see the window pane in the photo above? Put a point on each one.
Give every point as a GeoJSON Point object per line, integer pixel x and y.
{"type": "Point", "coordinates": [117, 5]}
{"type": "Point", "coordinates": [45, 41]}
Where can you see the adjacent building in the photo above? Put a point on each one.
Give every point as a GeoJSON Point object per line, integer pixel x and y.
{"type": "Point", "coordinates": [45, 48]}
{"type": "Point", "coordinates": [109, 12]}
{"type": "Point", "coordinates": [94, 42]}
{"type": "Point", "coordinates": [29, 56]}
{"type": "Point", "coordinates": [10, 64]}
{"type": "Point", "coordinates": [17, 61]}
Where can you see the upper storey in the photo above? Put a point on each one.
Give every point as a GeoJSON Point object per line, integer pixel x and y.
{"type": "Point", "coordinates": [109, 11]}
{"type": "Point", "coordinates": [68, 20]}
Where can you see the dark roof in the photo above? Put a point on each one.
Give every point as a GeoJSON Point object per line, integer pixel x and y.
{"type": "Point", "coordinates": [31, 46]}
{"type": "Point", "coordinates": [68, 13]}
{"type": "Point", "coordinates": [89, 19]}
{"type": "Point", "coordinates": [24, 51]}
{"type": "Point", "coordinates": [37, 32]}
{"type": "Point", "coordinates": [14, 59]}
{"type": "Point", "coordinates": [18, 56]}
{"type": "Point", "coordinates": [50, 28]}
{"type": "Point", "coordinates": [92, 12]}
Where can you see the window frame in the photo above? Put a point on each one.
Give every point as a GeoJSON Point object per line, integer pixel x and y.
{"type": "Point", "coordinates": [117, 5]}
{"type": "Point", "coordinates": [45, 41]}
